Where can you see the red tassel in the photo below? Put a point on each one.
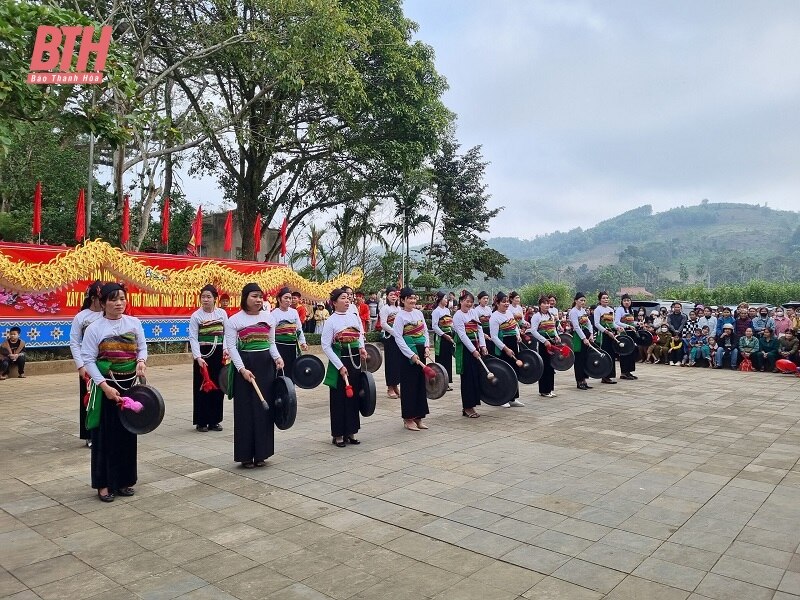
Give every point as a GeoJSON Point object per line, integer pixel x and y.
{"type": "Point", "coordinates": [87, 379]}
{"type": "Point", "coordinates": [207, 385]}
{"type": "Point", "coordinates": [348, 391]}
{"type": "Point", "coordinates": [564, 351]}
{"type": "Point", "coordinates": [429, 373]}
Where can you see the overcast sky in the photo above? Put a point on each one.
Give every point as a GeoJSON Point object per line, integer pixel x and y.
{"type": "Point", "coordinates": [587, 109]}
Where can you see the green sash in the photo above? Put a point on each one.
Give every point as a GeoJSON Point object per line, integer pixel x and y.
{"type": "Point", "coordinates": [332, 373]}
{"type": "Point", "coordinates": [95, 406]}
{"type": "Point", "coordinates": [459, 351]}
{"type": "Point", "coordinates": [438, 341]}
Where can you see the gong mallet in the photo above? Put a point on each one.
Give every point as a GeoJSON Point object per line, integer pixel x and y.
{"type": "Point", "coordinates": [348, 389]}
{"type": "Point", "coordinates": [259, 394]}
{"type": "Point", "coordinates": [489, 374]}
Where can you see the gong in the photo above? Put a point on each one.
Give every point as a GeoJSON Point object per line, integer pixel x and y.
{"type": "Point", "coordinates": [435, 387]}
{"type": "Point", "coordinates": [374, 358]}
{"type": "Point", "coordinates": [566, 339]}
{"type": "Point", "coordinates": [152, 412]}
{"type": "Point", "coordinates": [308, 371]}
{"type": "Point", "coordinates": [502, 387]}
{"type": "Point", "coordinates": [284, 402]}
{"type": "Point", "coordinates": [562, 358]}
{"type": "Point", "coordinates": [367, 394]}
{"type": "Point", "coordinates": [625, 345]}
{"type": "Point", "coordinates": [641, 337]}
{"type": "Point", "coordinates": [532, 367]}
{"type": "Point", "coordinates": [222, 379]}
{"type": "Point", "coordinates": [598, 363]}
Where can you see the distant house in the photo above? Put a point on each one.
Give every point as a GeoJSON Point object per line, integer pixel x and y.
{"type": "Point", "coordinates": [635, 292]}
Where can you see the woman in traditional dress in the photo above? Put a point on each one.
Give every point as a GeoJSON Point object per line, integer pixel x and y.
{"type": "Point", "coordinates": [206, 340]}
{"type": "Point", "coordinates": [543, 328]}
{"type": "Point", "coordinates": [582, 336]}
{"type": "Point", "coordinates": [624, 320]}
{"type": "Point", "coordinates": [518, 311]}
{"type": "Point", "coordinates": [411, 334]}
{"type": "Point", "coordinates": [442, 325]}
{"type": "Point", "coordinates": [470, 343]}
{"type": "Point", "coordinates": [484, 312]}
{"type": "Point", "coordinates": [391, 355]}
{"type": "Point", "coordinates": [250, 341]}
{"type": "Point", "coordinates": [114, 353]}
{"type": "Point", "coordinates": [288, 330]}
{"type": "Point", "coordinates": [505, 333]}
{"type": "Point", "coordinates": [606, 329]}
{"type": "Point", "coordinates": [90, 312]}
{"type": "Point", "coordinates": [343, 344]}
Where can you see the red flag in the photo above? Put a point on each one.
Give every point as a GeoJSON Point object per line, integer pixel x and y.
{"type": "Point", "coordinates": [314, 255]}
{"type": "Point", "coordinates": [257, 235]}
{"type": "Point", "coordinates": [228, 232]}
{"type": "Point", "coordinates": [165, 222]}
{"type": "Point", "coordinates": [126, 221]}
{"type": "Point", "coordinates": [284, 227]}
{"type": "Point", "coordinates": [80, 217]}
{"type": "Point", "coordinates": [37, 209]}
{"type": "Point", "coordinates": [196, 239]}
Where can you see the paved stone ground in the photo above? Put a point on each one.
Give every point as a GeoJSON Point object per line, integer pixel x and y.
{"type": "Point", "coordinates": [684, 484]}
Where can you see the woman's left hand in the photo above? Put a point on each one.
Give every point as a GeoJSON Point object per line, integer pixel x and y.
{"type": "Point", "coordinates": [362, 352]}
{"type": "Point", "coordinates": [304, 347]}
{"type": "Point", "coordinates": [141, 369]}
{"type": "Point", "coordinates": [279, 363]}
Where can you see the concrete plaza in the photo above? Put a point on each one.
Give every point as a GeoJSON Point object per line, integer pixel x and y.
{"type": "Point", "coordinates": [683, 484]}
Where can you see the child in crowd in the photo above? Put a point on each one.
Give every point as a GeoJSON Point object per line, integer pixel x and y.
{"type": "Point", "coordinates": [676, 348]}
{"type": "Point", "coordinates": [12, 351]}
{"type": "Point", "coordinates": [699, 347]}
{"type": "Point", "coordinates": [712, 351]}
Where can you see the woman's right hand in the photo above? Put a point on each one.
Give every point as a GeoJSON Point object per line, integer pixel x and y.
{"type": "Point", "coordinates": [476, 354]}
{"type": "Point", "coordinates": [201, 363]}
{"type": "Point", "coordinates": [585, 341]}
{"type": "Point", "coordinates": [82, 372]}
{"type": "Point", "coordinates": [110, 392]}
{"type": "Point", "coordinates": [509, 352]}
{"type": "Point", "coordinates": [246, 375]}
{"type": "Point", "coordinates": [343, 371]}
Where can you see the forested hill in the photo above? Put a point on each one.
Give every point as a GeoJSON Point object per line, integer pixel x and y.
{"type": "Point", "coordinates": [727, 241]}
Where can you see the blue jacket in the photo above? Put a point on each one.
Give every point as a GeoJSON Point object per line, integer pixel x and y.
{"type": "Point", "coordinates": [721, 321]}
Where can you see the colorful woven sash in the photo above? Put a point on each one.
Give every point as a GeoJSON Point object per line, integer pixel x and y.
{"type": "Point", "coordinates": [583, 321]}
{"type": "Point", "coordinates": [471, 329]}
{"type": "Point", "coordinates": [627, 319]}
{"type": "Point", "coordinates": [607, 320]}
{"type": "Point", "coordinates": [210, 332]}
{"type": "Point", "coordinates": [116, 356]}
{"type": "Point", "coordinates": [254, 338]}
{"type": "Point", "coordinates": [286, 332]}
{"type": "Point", "coordinates": [390, 319]}
{"type": "Point", "coordinates": [346, 338]}
{"type": "Point", "coordinates": [446, 324]}
{"type": "Point", "coordinates": [414, 333]}
{"type": "Point", "coordinates": [484, 319]}
{"type": "Point", "coordinates": [547, 329]}
{"type": "Point", "coordinates": [509, 328]}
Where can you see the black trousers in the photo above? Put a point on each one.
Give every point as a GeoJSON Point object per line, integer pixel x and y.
{"type": "Point", "coordinates": [445, 357]}
{"type": "Point", "coordinates": [471, 375]}
{"type": "Point", "coordinates": [627, 364]}
{"type": "Point", "coordinates": [547, 382]}
{"type": "Point", "coordinates": [581, 356]}
{"type": "Point", "coordinates": [345, 418]}
{"type": "Point", "coordinates": [6, 362]}
{"type": "Point", "coordinates": [113, 448]}
{"type": "Point", "coordinates": [207, 406]}
{"type": "Point", "coordinates": [85, 435]}
{"type": "Point", "coordinates": [608, 345]}
{"type": "Point", "coordinates": [413, 396]}
{"type": "Point", "coordinates": [288, 353]}
{"type": "Point", "coordinates": [253, 427]}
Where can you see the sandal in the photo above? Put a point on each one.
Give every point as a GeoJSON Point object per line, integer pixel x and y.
{"type": "Point", "coordinates": [261, 463]}
{"type": "Point", "coordinates": [471, 415]}
{"type": "Point", "coordinates": [391, 395]}
{"type": "Point", "coordinates": [354, 441]}
{"type": "Point", "coordinates": [248, 465]}
{"type": "Point", "coordinates": [341, 444]}
{"type": "Point", "coordinates": [126, 491]}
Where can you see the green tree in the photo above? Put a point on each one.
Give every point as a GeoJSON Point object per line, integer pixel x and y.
{"type": "Point", "coordinates": [529, 294]}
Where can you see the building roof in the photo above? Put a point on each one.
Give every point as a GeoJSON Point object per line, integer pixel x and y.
{"type": "Point", "coordinates": [635, 291]}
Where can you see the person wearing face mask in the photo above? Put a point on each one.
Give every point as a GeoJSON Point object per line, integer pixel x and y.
{"type": "Point", "coordinates": [659, 351]}
{"type": "Point", "coordinates": [250, 341]}
{"type": "Point", "coordinates": [782, 323]}
{"type": "Point", "coordinates": [762, 321]}
{"type": "Point", "coordinates": [206, 340]}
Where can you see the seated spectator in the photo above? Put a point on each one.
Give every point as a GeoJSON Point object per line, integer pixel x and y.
{"type": "Point", "coordinates": [698, 344]}
{"type": "Point", "coordinates": [728, 346]}
{"type": "Point", "coordinates": [689, 327]}
{"type": "Point", "coordinates": [767, 351]}
{"type": "Point", "coordinates": [654, 319]}
{"type": "Point", "coordinates": [787, 346]}
{"type": "Point", "coordinates": [676, 320]}
{"type": "Point", "coordinates": [782, 323]}
{"type": "Point", "coordinates": [748, 346]}
{"type": "Point", "coordinates": [726, 317]}
{"type": "Point", "coordinates": [712, 351]}
{"type": "Point", "coordinates": [708, 320]}
{"type": "Point", "coordinates": [12, 351]}
{"type": "Point", "coordinates": [742, 323]}
{"type": "Point", "coordinates": [762, 321]}
{"type": "Point", "coordinates": [676, 349]}
{"type": "Point", "coordinates": [659, 351]}
{"type": "Point", "coordinates": [794, 317]}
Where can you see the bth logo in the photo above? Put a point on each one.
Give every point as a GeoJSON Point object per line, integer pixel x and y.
{"type": "Point", "coordinates": [52, 65]}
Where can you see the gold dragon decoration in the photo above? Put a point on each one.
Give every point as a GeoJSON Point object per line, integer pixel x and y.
{"type": "Point", "coordinates": [84, 261]}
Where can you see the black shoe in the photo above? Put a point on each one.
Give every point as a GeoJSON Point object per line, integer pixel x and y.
{"type": "Point", "coordinates": [202, 428]}
{"type": "Point", "coordinates": [607, 380]}
{"type": "Point", "coordinates": [216, 427]}
{"type": "Point", "coordinates": [354, 441]}
{"type": "Point", "coordinates": [109, 497]}
{"type": "Point", "coordinates": [341, 444]}
{"type": "Point", "coordinates": [627, 377]}
{"type": "Point", "coordinates": [126, 491]}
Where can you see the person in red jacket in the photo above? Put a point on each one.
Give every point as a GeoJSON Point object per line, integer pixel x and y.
{"type": "Point", "coordinates": [300, 307]}
{"type": "Point", "coordinates": [363, 311]}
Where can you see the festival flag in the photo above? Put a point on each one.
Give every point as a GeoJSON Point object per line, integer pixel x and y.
{"type": "Point", "coordinates": [229, 232]}
{"type": "Point", "coordinates": [165, 222]}
{"type": "Point", "coordinates": [80, 217]}
{"type": "Point", "coordinates": [37, 209]}
{"type": "Point", "coordinates": [196, 239]}
{"type": "Point", "coordinates": [257, 235]}
{"type": "Point", "coordinates": [284, 228]}
{"type": "Point", "coordinates": [126, 221]}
